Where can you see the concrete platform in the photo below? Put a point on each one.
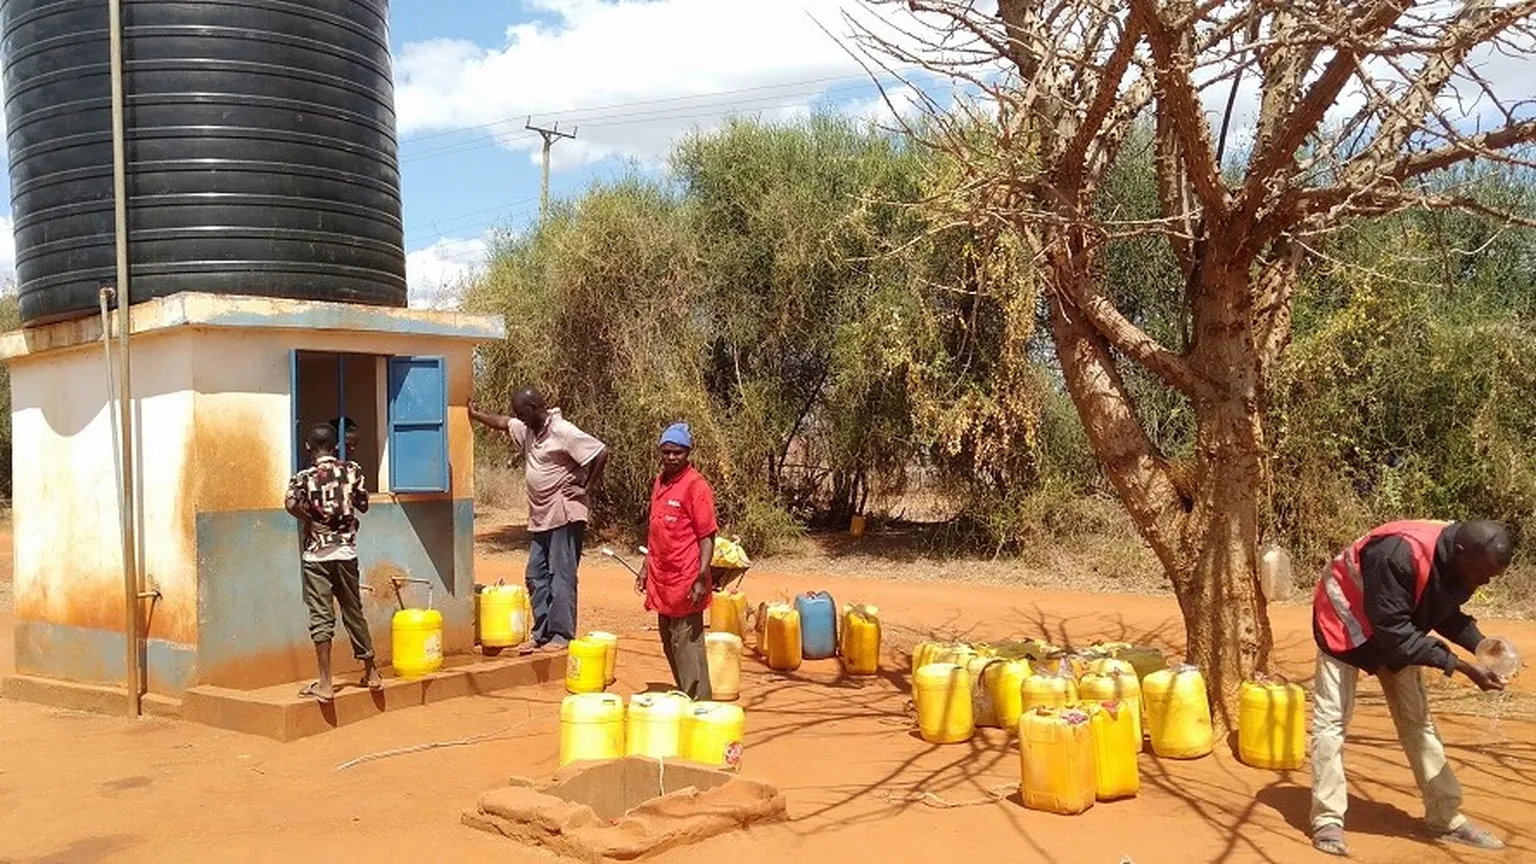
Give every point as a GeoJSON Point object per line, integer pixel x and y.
{"type": "Point", "coordinates": [84, 697]}
{"type": "Point", "coordinates": [279, 712]}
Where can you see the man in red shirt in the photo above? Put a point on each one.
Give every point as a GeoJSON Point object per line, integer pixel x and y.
{"type": "Point", "coordinates": [681, 544]}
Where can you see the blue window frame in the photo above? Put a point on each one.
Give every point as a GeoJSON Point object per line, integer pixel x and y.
{"type": "Point", "coordinates": [295, 421]}
{"type": "Point", "coordinates": [418, 424]}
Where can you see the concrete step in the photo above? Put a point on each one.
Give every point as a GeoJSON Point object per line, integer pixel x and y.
{"type": "Point", "coordinates": [84, 697]}
{"type": "Point", "coordinates": [279, 712]}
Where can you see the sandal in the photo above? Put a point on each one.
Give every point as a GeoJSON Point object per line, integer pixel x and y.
{"type": "Point", "coordinates": [1330, 841]}
{"type": "Point", "coordinates": [312, 691]}
{"type": "Point", "coordinates": [1473, 836]}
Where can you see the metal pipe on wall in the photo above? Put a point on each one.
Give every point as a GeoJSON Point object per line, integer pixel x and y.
{"type": "Point", "coordinates": [125, 399]}
{"type": "Point", "coordinates": [104, 298]}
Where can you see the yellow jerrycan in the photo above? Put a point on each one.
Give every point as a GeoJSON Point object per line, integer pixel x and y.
{"type": "Point", "coordinates": [714, 734]}
{"type": "Point", "coordinates": [1072, 666]}
{"type": "Point", "coordinates": [722, 651]}
{"type": "Point", "coordinates": [503, 616]}
{"type": "Point", "coordinates": [944, 703]}
{"type": "Point", "coordinates": [1272, 724]}
{"type": "Point", "coordinates": [586, 666]}
{"type": "Point", "coordinates": [781, 637]}
{"type": "Point", "coordinates": [1114, 686]}
{"type": "Point", "coordinates": [591, 727]}
{"type": "Point", "coordinates": [610, 644]}
{"type": "Point", "coordinates": [1178, 713]}
{"type": "Point", "coordinates": [1116, 742]}
{"type": "Point", "coordinates": [1057, 773]}
{"type": "Point", "coordinates": [928, 653]}
{"type": "Point", "coordinates": [1108, 666]}
{"type": "Point", "coordinates": [924, 653]}
{"type": "Point", "coordinates": [654, 724]}
{"type": "Point", "coordinates": [728, 613]}
{"type": "Point", "coordinates": [1049, 690]}
{"type": "Point", "coordinates": [1143, 658]}
{"type": "Point", "coordinates": [997, 698]}
{"type": "Point", "coordinates": [416, 636]}
{"type": "Point", "coordinates": [1004, 683]}
{"type": "Point", "coordinates": [860, 636]}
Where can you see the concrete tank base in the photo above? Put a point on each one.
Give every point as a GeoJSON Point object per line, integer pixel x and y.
{"type": "Point", "coordinates": [626, 809]}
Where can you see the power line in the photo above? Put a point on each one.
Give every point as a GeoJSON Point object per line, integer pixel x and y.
{"type": "Point", "coordinates": [627, 118]}
{"type": "Point", "coordinates": [565, 115]}
{"type": "Point", "coordinates": [435, 227]}
{"type": "Point", "coordinates": [617, 117]}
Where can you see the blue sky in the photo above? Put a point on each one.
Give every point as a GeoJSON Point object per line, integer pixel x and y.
{"type": "Point", "coordinates": [630, 75]}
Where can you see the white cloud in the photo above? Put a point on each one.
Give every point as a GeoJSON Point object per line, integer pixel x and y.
{"type": "Point", "coordinates": [436, 275]}
{"type": "Point", "coordinates": [664, 66]}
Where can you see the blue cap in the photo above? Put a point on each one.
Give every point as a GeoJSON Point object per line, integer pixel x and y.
{"type": "Point", "coordinates": [678, 434]}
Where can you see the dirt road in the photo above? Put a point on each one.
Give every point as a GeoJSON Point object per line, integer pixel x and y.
{"type": "Point", "coordinates": [81, 788]}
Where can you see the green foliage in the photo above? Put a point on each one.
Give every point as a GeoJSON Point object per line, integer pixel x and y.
{"type": "Point", "coordinates": [599, 313]}
{"type": "Point", "coordinates": [1410, 389]}
{"type": "Point", "coordinates": [785, 296]}
{"type": "Point", "coordinates": [803, 296]}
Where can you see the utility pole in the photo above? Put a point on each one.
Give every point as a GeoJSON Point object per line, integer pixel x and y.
{"type": "Point", "coordinates": [550, 136]}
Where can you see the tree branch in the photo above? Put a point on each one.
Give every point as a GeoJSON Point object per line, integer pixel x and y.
{"type": "Point", "coordinates": [1072, 163]}
{"type": "Point", "coordinates": [1279, 153]}
{"type": "Point", "coordinates": [1131, 462]}
{"type": "Point", "coordinates": [1181, 104]}
{"type": "Point", "coordinates": [1485, 145]}
{"type": "Point", "coordinates": [1274, 288]}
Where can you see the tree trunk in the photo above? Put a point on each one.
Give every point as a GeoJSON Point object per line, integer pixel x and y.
{"type": "Point", "coordinates": [1226, 624]}
{"type": "Point", "coordinates": [1202, 525]}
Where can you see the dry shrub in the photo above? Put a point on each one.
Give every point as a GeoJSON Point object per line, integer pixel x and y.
{"type": "Point", "coordinates": [499, 487]}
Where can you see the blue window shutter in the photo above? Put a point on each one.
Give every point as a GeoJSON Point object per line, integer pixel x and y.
{"type": "Point", "coordinates": [418, 424]}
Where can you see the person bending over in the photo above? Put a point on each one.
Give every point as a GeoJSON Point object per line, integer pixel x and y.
{"type": "Point", "coordinates": [1373, 611]}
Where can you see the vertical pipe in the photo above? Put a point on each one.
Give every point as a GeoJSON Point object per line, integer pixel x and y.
{"type": "Point", "coordinates": [105, 296]}
{"type": "Point", "coordinates": [124, 393]}
{"type": "Point", "coordinates": [341, 406]}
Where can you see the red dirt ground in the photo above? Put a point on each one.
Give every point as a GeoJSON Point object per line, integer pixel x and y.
{"type": "Point", "coordinates": [77, 787]}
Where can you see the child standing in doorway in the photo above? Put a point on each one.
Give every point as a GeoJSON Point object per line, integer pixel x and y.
{"type": "Point", "coordinates": [326, 498]}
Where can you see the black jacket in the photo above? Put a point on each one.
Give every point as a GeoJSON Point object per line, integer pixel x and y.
{"type": "Point", "coordinates": [1400, 631]}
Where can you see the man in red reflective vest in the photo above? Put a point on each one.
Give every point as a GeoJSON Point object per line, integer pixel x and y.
{"type": "Point", "coordinates": [1373, 611]}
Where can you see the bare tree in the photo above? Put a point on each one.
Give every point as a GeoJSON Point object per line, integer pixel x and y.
{"type": "Point", "coordinates": [1357, 105]}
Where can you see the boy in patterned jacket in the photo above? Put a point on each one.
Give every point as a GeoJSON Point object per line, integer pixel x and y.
{"type": "Point", "coordinates": [326, 498]}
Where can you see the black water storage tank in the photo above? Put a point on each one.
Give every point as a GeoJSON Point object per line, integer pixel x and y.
{"type": "Point", "coordinates": [260, 144]}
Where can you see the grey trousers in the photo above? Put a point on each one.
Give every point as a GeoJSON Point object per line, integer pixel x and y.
{"type": "Point", "coordinates": [683, 641]}
{"type": "Point", "coordinates": [325, 580]}
{"type": "Point", "coordinates": [551, 578]}
{"type": "Point", "coordinates": [1333, 703]}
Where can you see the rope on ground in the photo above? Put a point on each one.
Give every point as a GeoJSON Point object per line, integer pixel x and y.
{"type": "Point", "coordinates": [434, 745]}
{"type": "Point", "coordinates": [919, 796]}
